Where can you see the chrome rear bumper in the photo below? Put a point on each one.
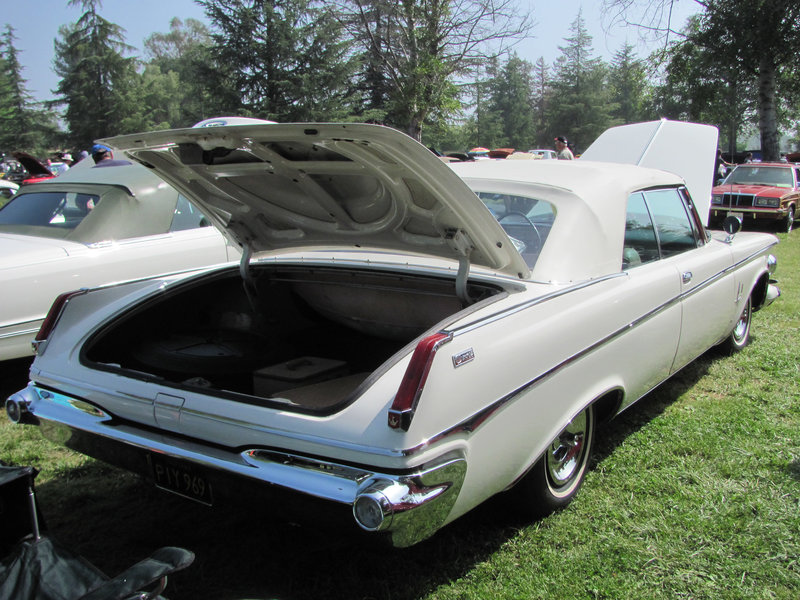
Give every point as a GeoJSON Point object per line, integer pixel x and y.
{"type": "Point", "coordinates": [408, 506]}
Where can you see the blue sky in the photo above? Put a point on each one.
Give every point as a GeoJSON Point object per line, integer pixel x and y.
{"type": "Point", "coordinates": [36, 24]}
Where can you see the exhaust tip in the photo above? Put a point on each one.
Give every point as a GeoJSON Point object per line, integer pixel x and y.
{"type": "Point", "coordinates": [372, 509]}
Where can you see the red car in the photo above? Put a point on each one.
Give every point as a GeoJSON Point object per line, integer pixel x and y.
{"type": "Point", "coordinates": [758, 192]}
{"type": "Point", "coordinates": [37, 171]}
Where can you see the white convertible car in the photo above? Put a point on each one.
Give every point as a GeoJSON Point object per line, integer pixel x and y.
{"type": "Point", "coordinates": [91, 226]}
{"type": "Point", "coordinates": [403, 338]}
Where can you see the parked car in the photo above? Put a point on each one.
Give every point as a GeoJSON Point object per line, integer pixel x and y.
{"type": "Point", "coordinates": [35, 170]}
{"type": "Point", "coordinates": [403, 338]}
{"type": "Point", "coordinates": [7, 189]}
{"type": "Point", "coordinates": [543, 154]}
{"type": "Point", "coordinates": [759, 193]}
{"type": "Point", "coordinates": [88, 227]}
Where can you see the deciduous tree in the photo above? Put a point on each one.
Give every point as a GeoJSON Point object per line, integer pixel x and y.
{"type": "Point", "coordinates": [759, 38]}
{"type": "Point", "coordinates": [424, 47]}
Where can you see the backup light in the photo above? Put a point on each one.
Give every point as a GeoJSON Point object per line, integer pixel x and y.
{"type": "Point", "coordinates": [405, 401]}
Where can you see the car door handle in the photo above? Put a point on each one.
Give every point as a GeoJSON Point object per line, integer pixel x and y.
{"type": "Point", "coordinates": [686, 277]}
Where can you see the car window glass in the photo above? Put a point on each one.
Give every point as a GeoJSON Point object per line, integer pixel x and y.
{"type": "Point", "coordinates": [673, 225]}
{"type": "Point", "coordinates": [56, 210]}
{"type": "Point", "coordinates": [187, 216]}
{"type": "Point", "coordinates": [694, 218]}
{"type": "Point", "coordinates": [758, 175]}
{"type": "Point", "coordinates": [641, 245]}
{"type": "Point", "coordinates": [527, 221]}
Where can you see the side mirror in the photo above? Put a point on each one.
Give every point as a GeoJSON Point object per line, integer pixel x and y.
{"type": "Point", "coordinates": [732, 225]}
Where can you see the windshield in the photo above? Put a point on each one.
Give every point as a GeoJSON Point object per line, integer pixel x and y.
{"type": "Point", "coordinates": [757, 175]}
{"type": "Point", "coordinates": [57, 211]}
{"type": "Point", "coordinates": [527, 221]}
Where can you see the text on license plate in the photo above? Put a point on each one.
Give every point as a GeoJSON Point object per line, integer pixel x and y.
{"type": "Point", "coordinates": [180, 479]}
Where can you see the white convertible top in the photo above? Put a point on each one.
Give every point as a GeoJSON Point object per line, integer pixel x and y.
{"type": "Point", "coordinates": [590, 199]}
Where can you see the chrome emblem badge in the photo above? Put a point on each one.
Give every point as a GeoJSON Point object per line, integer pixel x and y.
{"type": "Point", "coordinates": [463, 358]}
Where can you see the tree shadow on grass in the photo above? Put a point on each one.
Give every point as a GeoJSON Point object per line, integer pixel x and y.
{"type": "Point", "coordinates": [252, 550]}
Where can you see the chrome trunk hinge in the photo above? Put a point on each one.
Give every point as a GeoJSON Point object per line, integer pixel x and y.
{"type": "Point", "coordinates": [247, 277]}
{"type": "Point", "coordinates": [244, 264]}
{"type": "Point", "coordinates": [462, 244]}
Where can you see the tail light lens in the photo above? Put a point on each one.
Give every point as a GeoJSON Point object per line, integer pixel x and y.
{"type": "Point", "coordinates": [52, 318]}
{"type": "Point", "coordinates": [405, 401]}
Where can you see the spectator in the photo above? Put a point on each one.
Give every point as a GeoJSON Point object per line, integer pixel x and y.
{"type": "Point", "coordinates": [720, 168]}
{"type": "Point", "coordinates": [101, 153]}
{"type": "Point", "coordinates": [103, 156]}
{"type": "Point", "coordinates": [562, 149]}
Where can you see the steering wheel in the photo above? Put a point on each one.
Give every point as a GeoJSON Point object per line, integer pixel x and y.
{"type": "Point", "coordinates": [524, 217]}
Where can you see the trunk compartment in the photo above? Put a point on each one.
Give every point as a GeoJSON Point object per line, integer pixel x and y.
{"type": "Point", "coordinates": [298, 336]}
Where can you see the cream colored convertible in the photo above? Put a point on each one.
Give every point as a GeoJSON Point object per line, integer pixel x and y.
{"type": "Point", "coordinates": [403, 338]}
{"type": "Point", "coordinates": [87, 227]}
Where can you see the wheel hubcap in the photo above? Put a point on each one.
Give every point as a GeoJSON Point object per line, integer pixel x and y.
{"type": "Point", "coordinates": [740, 331]}
{"type": "Point", "coordinates": [565, 454]}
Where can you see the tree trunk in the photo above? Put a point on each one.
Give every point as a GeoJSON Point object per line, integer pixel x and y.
{"type": "Point", "coordinates": [767, 116]}
{"type": "Point", "coordinates": [415, 128]}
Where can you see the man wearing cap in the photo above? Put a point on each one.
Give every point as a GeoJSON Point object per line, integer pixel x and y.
{"type": "Point", "coordinates": [104, 157]}
{"type": "Point", "coordinates": [562, 149]}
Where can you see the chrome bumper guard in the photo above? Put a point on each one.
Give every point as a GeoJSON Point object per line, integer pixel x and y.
{"type": "Point", "coordinates": [409, 507]}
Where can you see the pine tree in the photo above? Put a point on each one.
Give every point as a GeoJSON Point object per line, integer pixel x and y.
{"type": "Point", "coordinates": [24, 125]}
{"type": "Point", "coordinates": [97, 81]}
{"type": "Point", "coordinates": [512, 102]}
{"type": "Point", "coordinates": [579, 107]}
{"type": "Point", "coordinates": [285, 60]}
{"type": "Point", "coordinates": [629, 86]}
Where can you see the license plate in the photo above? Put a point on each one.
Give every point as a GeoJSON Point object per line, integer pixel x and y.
{"type": "Point", "coordinates": [739, 215]}
{"type": "Point", "coordinates": [179, 478]}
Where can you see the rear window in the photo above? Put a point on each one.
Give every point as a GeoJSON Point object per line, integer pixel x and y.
{"type": "Point", "coordinates": [526, 220]}
{"type": "Point", "coordinates": [56, 210]}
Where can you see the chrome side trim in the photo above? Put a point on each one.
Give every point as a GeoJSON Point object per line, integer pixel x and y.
{"type": "Point", "coordinates": [511, 310]}
{"type": "Point", "coordinates": [4, 336]}
{"type": "Point", "coordinates": [472, 423]}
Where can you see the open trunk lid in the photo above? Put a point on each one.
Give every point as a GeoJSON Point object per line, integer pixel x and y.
{"type": "Point", "coordinates": [276, 187]}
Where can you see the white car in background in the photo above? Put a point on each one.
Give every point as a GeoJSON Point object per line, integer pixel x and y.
{"type": "Point", "coordinates": [403, 338]}
{"type": "Point", "coordinates": [88, 227]}
{"type": "Point", "coordinates": [7, 189]}
{"type": "Point", "coordinates": [543, 154]}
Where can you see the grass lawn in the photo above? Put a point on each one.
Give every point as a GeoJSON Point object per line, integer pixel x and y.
{"type": "Point", "coordinates": [694, 493]}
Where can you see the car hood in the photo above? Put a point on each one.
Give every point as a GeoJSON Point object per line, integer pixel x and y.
{"type": "Point", "coordinates": [277, 187]}
{"type": "Point", "coordinates": [755, 190]}
{"type": "Point", "coordinates": [32, 165]}
{"type": "Point", "coordinates": [685, 149]}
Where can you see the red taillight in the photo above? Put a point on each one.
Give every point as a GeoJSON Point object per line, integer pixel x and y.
{"type": "Point", "coordinates": [52, 318]}
{"type": "Point", "coordinates": [405, 401]}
